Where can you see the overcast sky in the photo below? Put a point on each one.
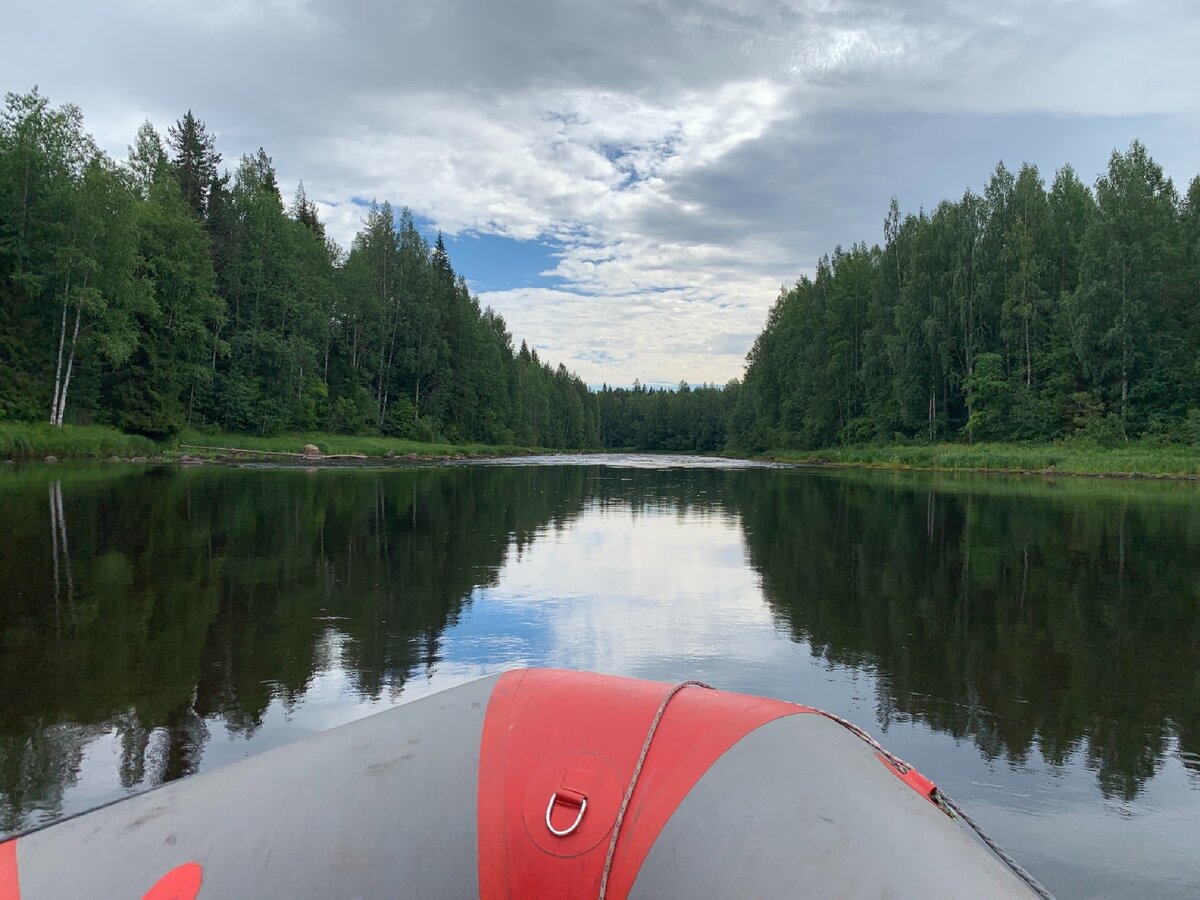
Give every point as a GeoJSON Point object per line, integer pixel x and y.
{"type": "Point", "coordinates": [629, 183]}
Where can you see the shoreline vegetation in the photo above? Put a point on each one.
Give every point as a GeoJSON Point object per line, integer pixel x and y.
{"type": "Point", "coordinates": [1025, 328]}
{"type": "Point", "coordinates": [33, 442]}
{"type": "Point", "coordinates": [164, 293]}
{"type": "Point", "coordinates": [1027, 315]}
{"type": "Point", "coordinates": [28, 441]}
{"type": "Point", "coordinates": [343, 446]}
{"type": "Point", "coordinates": [1133, 460]}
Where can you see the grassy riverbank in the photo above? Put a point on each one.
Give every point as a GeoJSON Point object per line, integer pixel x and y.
{"type": "Point", "coordinates": [338, 445]}
{"type": "Point", "coordinates": [33, 440]}
{"type": "Point", "coordinates": [27, 440]}
{"type": "Point", "coordinates": [1134, 459]}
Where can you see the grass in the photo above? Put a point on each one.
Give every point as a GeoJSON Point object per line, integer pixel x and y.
{"type": "Point", "coordinates": [339, 444]}
{"type": "Point", "coordinates": [34, 440]}
{"type": "Point", "coordinates": [1133, 459]}
{"type": "Point", "coordinates": [30, 440]}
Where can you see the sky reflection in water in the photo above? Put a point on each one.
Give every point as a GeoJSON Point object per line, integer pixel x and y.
{"type": "Point", "coordinates": [1031, 646]}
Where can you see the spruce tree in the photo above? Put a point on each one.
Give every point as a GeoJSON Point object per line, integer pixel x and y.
{"type": "Point", "coordinates": [195, 161]}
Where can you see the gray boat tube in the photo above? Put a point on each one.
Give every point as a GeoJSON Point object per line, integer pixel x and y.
{"type": "Point", "coordinates": [537, 783]}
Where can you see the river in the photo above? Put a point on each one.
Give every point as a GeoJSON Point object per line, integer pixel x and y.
{"type": "Point", "coordinates": [1033, 646]}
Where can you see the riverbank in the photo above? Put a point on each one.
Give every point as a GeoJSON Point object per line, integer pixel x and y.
{"type": "Point", "coordinates": [203, 444]}
{"type": "Point", "coordinates": [37, 440]}
{"type": "Point", "coordinates": [32, 440]}
{"type": "Point", "coordinates": [1134, 460]}
{"type": "Point", "coordinates": [29, 440]}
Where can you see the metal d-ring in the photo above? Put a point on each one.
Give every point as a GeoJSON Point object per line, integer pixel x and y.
{"type": "Point", "coordinates": [579, 818]}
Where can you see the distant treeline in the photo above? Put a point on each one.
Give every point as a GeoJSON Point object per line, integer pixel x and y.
{"type": "Point", "coordinates": [679, 419]}
{"type": "Point", "coordinates": [1022, 314]}
{"type": "Point", "coordinates": [162, 292]}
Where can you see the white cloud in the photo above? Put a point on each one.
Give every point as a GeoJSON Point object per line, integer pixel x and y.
{"type": "Point", "coordinates": [650, 618]}
{"type": "Point", "coordinates": [687, 157]}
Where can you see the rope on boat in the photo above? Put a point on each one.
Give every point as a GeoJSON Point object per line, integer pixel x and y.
{"type": "Point", "coordinates": [946, 803]}
{"type": "Point", "coordinates": [1020, 871]}
{"type": "Point", "coordinates": [637, 773]}
{"type": "Point", "coordinates": [943, 800]}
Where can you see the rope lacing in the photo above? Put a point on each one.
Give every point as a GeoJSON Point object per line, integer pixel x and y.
{"type": "Point", "coordinates": [637, 773]}
{"type": "Point", "coordinates": [943, 801]}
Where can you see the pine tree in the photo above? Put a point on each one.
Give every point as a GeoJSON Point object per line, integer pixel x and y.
{"type": "Point", "coordinates": [195, 161]}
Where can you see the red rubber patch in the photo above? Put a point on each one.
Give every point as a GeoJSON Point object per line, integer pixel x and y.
{"type": "Point", "coordinates": [181, 883]}
{"type": "Point", "coordinates": [912, 778]}
{"type": "Point", "coordinates": [10, 887]}
{"type": "Point", "coordinates": [578, 736]}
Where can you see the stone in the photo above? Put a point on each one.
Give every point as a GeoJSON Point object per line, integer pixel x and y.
{"type": "Point", "coordinates": [51, 459]}
{"type": "Point", "coordinates": [311, 450]}
{"type": "Point", "coordinates": [391, 454]}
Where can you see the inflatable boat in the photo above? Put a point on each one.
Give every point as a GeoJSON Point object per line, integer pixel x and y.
{"type": "Point", "coordinates": [534, 784]}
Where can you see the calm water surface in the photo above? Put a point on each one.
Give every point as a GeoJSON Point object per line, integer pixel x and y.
{"type": "Point", "coordinates": [1032, 646]}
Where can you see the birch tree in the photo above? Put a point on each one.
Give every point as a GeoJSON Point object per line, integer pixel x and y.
{"type": "Point", "coordinates": [97, 263]}
{"type": "Point", "coordinates": [1127, 271]}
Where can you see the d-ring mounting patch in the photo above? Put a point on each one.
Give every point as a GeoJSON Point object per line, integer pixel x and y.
{"type": "Point", "coordinates": [584, 793]}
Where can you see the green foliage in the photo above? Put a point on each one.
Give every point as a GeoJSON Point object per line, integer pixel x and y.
{"type": "Point", "coordinates": [684, 419]}
{"type": "Point", "coordinates": [1101, 431]}
{"type": "Point", "coordinates": [987, 395]}
{"type": "Point", "coordinates": [1017, 314]}
{"type": "Point", "coordinates": [194, 163]}
{"type": "Point", "coordinates": [1190, 430]}
{"type": "Point", "coordinates": [350, 414]}
{"type": "Point", "coordinates": [401, 418]}
{"type": "Point", "coordinates": [1074, 457]}
{"type": "Point", "coordinates": [166, 294]}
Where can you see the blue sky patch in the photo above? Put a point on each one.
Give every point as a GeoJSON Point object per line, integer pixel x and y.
{"type": "Point", "coordinates": [495, 263]}
{"type": "Point", "coordinates": [491, 262]}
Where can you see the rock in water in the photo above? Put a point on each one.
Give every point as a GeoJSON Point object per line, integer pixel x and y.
{"type": "Point", "coordinates": [51, 459]}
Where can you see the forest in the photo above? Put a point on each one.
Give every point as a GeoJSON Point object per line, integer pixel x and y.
{"type": "Point", "coordinates": [164, 292]}
{"type": "Point", "coordinates": [1020, 314]}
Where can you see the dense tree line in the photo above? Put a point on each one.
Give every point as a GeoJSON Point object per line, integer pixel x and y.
{"type": "Point", "coordinates": [678, 419]}
{"type": "Point", "coordinates": [1022, 313]}
{"type": "Point", "coordinates": [162, 292]}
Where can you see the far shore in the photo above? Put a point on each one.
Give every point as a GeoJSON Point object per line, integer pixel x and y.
{"type": "Point", "coordinates": [1132, 460]}
{"type": "Point", "coordinates": [41, 441]}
